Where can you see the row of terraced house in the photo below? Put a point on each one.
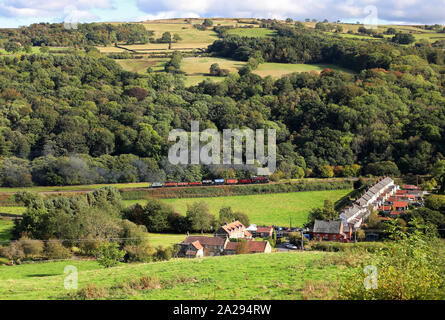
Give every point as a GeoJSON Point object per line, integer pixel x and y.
{"type": "Point", "coordinates": [384, 196]}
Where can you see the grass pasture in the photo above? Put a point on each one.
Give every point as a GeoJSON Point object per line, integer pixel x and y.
{"type": "Point", "coordinates": [252, 277]}
{"type": "Point", "coordinates": [130, 185]}
{"type": "Point", "coordinates": [167, 239]}
{"type": "Point", "coordinates": [253, 32]}
{"type": "Point", "coordinates": [12, 210]}
{"type": "Point", "coordinates": [141, 65]}
{"type": "Point", "coordinates": [197, 68]}
{"type": "Point", "coordinates": [280, 69]}
{"type": "Point", "coordinates": [187, 32]}
{"type": "Point", "coordinates": [5, 230]}
{"type": "Point", "coordinates": [265, 209]}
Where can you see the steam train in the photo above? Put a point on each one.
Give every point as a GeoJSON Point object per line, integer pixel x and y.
{"type": "Point", "coordinates": [254, 180]}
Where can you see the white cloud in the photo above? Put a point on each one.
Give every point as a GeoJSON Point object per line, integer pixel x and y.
{"type": "Point", "coordinates": [408, 11]}
{"type": "Point", "coordinates": [404, 11]}
{"type": "Point", "coordinates": [49, 8]}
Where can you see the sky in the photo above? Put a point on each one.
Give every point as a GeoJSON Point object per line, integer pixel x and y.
{"type": "Point", "coordinates": [15, 13]}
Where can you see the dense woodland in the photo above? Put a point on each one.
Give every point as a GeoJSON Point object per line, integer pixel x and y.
{"type": "Point", "coordinates": [82, 34]}
{"type": "Point", "coordinates": [79, 118]}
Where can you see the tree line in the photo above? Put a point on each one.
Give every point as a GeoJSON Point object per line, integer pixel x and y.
{"type": "Point", "coordinates": [84, 34]}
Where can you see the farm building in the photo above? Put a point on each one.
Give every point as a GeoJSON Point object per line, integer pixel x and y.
{"type": "Point", "coordinates": [331, 230]}
{"type": "Point", "coordinates": [211, 246]}
{"type": "Point", "coordinates": [194, 250]}
{"type": "Point", "coordinates": [263, 232]}
{"type": "Point", "coordinates": [251, 247]}
{"type": "Point", "coordinates": [233, 230]}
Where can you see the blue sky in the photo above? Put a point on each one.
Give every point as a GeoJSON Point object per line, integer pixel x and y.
{"type": "Point", "coordinates": [14, 13]}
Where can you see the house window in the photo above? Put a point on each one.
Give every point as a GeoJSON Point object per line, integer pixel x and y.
{"type": "Point", "coordinates": [334, 237]}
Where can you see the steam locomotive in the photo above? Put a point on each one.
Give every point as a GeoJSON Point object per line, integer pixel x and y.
{"type": "Point", "coordinates": [254, 180]}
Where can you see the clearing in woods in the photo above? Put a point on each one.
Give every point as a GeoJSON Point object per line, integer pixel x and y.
{"type": "Point", "coordinates": [281, 69]}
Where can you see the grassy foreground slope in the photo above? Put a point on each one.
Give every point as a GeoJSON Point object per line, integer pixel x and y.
{"type": "Point", "coordinates": [259, 276]}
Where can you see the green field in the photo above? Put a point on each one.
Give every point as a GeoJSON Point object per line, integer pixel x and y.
{"type": "Point", "coordinates": [197, 68]}
{"type": "Point", "coordinates": [5, 230]}
{"type": "Point", "coordinates": [253, 32]}
{"type": "Point", "coordinates": [251, 277]}
{"type": "Point", "coordinates": [141, 65]}
{"type": "Point", "coordinates": [265, 209]}
{"type": "Point", "coordinates": [4, 190]}
{"type": "Point", "coordinates": [166, 239]}
{"type": "Point", "coordinates": [13, 210]}
{"type": "Point", "coordinates": [281, 69]}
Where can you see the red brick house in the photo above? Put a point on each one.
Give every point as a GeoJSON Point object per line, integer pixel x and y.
{"type": "Point", "coordinates": [194, 250]}
{"type": "Point", "coordinates": [233, 230]}
{"type": "Point", "coordinates": [263, 232]}
{"type": "Point", "coordinates": [211, 246]}
{"type": "Point", "coordinates": [252, 247]}
{"type": "Point", "coordinates": [331, 230]}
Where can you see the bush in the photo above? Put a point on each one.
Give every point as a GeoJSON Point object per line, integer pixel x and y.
{"type": "Point", "coordinates": [109, 254]}
{"type": "Point", "coordinates": [163, 254]}
{"type": "Point", "coordinates": [32, 248]}
{"type": "Point", "coordinates": [14, 252]}
{"type": "Point", "coordinates": [55, 250]}
{"type": "Point", "coordinates": [91, 292]}
{"type": "Point", "coordinates": [340, 247]}
{"type": "Point", "coordinates": [89, 246]}
{"type": "Point", "coordinates": [142, 252]}
{"type": "Point", "coordinates": [410, 269]}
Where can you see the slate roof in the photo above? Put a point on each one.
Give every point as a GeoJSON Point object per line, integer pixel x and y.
{"type": "Point", "coordinates": [351, 211]}
{"type": "Point", "coordinates": [327, 226]}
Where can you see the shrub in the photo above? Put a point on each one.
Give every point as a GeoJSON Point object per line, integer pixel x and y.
{"type": "Point", "coordinates": [55, 250]}
{"type": "Point", "coordinates": [163, 254]}
{"type": "Point", "coordinates": [109, 254]}
{"type": "Point", "coordinates": [142, 252]}
{"type": "Point", "coordinates": [14, 252]}
{"type": "Point", "coordinates": [32, 248]}
{"type": "Point", "coordinates": [91, 292]}
{"type": "Point", "coordinates": [89, 246]}
{"type": "Point", "coordinates": [410, 269]}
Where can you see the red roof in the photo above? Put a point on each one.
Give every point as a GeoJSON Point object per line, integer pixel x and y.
{"type": "Point", "coordinates": [205, 241]}
{"type": "Point", "coordinates": [233, 226]}
{"type": "Point", "coordinates": [253, 246]}
{"type": "Point", "coordinates": [400, 204]}
{"type": "Point", "coordinates": [197, 245]}
{"type": "Point", "coordinates": [264, 229]}
{"type": "Point", "coordinates": [257, 246]}
{"type": "Point", "coordinates": [231, 245]}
